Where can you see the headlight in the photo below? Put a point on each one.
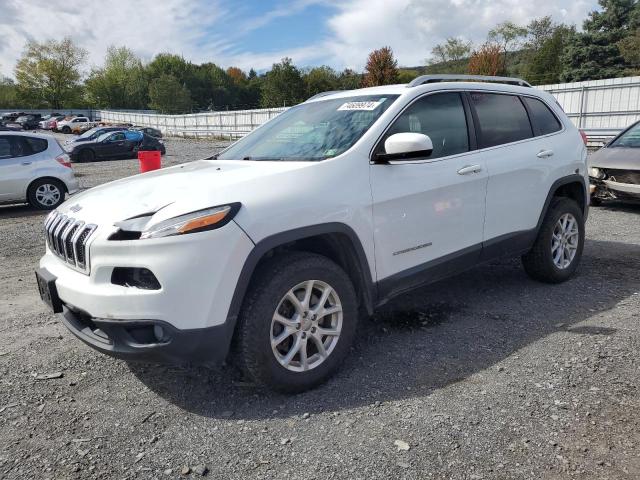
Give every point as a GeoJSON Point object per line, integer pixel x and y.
{"type": "Point", "coordinates": [199, 221]}
{"type": "Point", "coordinates": [595, 172]}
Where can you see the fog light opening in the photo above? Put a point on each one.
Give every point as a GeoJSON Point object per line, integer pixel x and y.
{"type": "Point", "coordinates": [142, 278]}
{"type": "Point", "coordinates": [160, 334]}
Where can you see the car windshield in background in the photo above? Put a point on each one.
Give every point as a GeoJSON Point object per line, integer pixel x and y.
{"type": "Point", "coordinates": [312, 131]}
{"type": "Point", "coordinates": [89, 133]}
{"type": "Point", "coordinates": [629, 139]}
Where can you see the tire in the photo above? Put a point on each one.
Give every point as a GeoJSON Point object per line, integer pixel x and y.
{"type": "Point", "coordinates": [595, 202]}
{"type": "Point", "coordinates": [266, 298]}
{"type": "Point", "coordinates": [87, 155]}
{"type": "Point", "coordinates": [66, 130]}
{"type": "Point", "coordinates": [552, 260]}
{"type": "Point", "coordinates": [46, 193]}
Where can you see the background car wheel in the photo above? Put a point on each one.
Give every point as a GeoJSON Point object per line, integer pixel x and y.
{"type": "Point", "coordinates": [46, 193]}
{"type": "Point", "coordinates": [297, 323]}
{"type": "Point", "coordinates": [66, 130]}
{"type": "Point", "coordinates": [556, 253]}
{"type": "Point", "coordinates": [596, 202]}
{"type": "Point", "coordinates": [87, 155]}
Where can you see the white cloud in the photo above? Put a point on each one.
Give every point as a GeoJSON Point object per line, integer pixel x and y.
{"type": "Point", "coordinates": [413, 27]}
{"type": "Point", "coordinates": [189, 27]}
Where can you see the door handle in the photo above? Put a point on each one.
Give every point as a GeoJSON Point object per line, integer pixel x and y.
{"type": "Point", "coordinates": [545, 154]}
{"type": "Point", "coordinates": [26, 163]}
{"type": "Point", "coordinates": [469, 169]}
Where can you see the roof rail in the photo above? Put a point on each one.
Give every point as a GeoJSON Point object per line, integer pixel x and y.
{"type": "Point", "coordinates": [423, 79]}
{"type": "Point", "coordinates": [324, 94]}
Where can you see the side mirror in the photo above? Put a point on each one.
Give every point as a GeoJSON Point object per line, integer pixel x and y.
{"type": "Point", "coordinates": [405, 146]}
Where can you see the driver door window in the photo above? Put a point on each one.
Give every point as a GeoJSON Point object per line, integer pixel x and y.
{"type": "Point", "coordinates": [440, 116]}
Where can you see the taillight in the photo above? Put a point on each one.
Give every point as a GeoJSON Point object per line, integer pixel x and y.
{"type": "Point", "coordinates": [64, 160]}
{"type": "Point", "coordinates": [584, 137]}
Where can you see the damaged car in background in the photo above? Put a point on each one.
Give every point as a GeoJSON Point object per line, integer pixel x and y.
{"type": "Point", "coordinates": [614, 170]}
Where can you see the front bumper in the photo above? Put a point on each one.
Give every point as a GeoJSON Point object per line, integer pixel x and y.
{"type": "Point", "coordinates": [150, 340]}
{"type": "Point", "coordinates": [197, 274]}
{"type": "Point", "coordinates": [610, 190]}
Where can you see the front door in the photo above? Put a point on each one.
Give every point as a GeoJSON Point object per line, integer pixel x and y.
{"type": "Point", "coordinates": [429, 213]}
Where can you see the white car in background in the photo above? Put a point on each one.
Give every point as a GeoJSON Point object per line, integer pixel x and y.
{"type": "Point", "coordinates": [324, 213]}
{"type": "Point", "coordinates": [67, 126]}
{"type": "Point", "coordinates": [35, 169]}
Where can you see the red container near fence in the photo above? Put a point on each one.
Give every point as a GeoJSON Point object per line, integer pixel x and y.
{"type": "Point", "coordinates": [149, 160]}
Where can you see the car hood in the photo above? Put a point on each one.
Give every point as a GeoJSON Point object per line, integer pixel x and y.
{"type": "Point", "coordinates": [177, 190]}
{"type": "Point", "coordinates": [616, 157]}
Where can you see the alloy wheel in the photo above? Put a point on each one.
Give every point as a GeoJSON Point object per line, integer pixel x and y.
{"type": "Point", "coordinates": [564, 241]}
{"type": "Point", "coordinates": [306, 325]}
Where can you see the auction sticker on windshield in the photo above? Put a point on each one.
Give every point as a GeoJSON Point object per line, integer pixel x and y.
{"type": "Point", "coordinates": [366, 106]}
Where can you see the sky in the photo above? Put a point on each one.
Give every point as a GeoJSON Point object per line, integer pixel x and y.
{"type": "Point", "coordinates": [257, 33]}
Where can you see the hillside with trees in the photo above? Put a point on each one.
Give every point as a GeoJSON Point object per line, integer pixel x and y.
{"type": "Point", "coordinates": [52, 74]}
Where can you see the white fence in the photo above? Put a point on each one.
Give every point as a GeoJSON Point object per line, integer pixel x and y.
{"type": "Point", "coordinates": [600, 107]}
{"type": "Point", "coordinates": [229, 124]}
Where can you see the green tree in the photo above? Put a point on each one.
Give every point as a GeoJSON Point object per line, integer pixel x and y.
{"type": "Point", "coordinates": [594, 53]}
{"type": "Point", "coordinates": [544, 63]}
{"type": "Point", "coordinates": [349, 80]}
{"type": "Point", "coordinates": [452, 50]}
{"type": "Point", "coordinates": [320, 79]}
{"type": "Point", "coordinates": [405, 76]}
{"type": "Point", "coordinates": [282, 86]}
{"type": "Point", "coordinates": [48, 74]}
{"type": "Point", "coordinates": [381, 68]}
{"type": "Point", "coordinates": [120, 83]}
{"type": "Point", "coordinates": [168, 95]}
{"type": "Point", "coordinates": [630, 50]}
{"type": "Point", "coordinates": [8, 93]}
{"type": "Point", "coordinates": [509, 37]}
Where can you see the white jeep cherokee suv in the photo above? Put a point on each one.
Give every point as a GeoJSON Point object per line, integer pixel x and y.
{"type": "Point", "coordinates": [272, 248]}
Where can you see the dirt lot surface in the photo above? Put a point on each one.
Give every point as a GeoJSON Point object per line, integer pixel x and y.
{"type": "Point", "coordinates": [487, 375]}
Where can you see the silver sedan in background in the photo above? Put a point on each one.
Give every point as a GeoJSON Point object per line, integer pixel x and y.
{"type": "Point", "coordinates": [614, 170]}
{"type": "Point", "coordinates": [35, 169]}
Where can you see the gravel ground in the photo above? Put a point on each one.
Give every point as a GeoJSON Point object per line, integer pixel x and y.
{"type": "Point", "coordinates": [487, 375]}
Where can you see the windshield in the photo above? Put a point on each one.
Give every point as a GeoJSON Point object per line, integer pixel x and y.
{"type": "Point", "coordinates": [104, 136]}
{"type": "Point", "coordinates": [89, 133]}
{"type": "Point", "coordinates": [629, 139]}
{"type": "Point", "coordinates": [312, 131]}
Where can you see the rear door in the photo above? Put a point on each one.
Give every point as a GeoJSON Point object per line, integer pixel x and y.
{"type": "Point", "coordinates": [429, 212]}
{"type": "Point", "coordinates": [16, 166]}
{"type": "Point", "coordinates": [519, 160]}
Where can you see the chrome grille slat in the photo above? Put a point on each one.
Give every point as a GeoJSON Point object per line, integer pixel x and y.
{"type": "Point", "coordinates": [68, 239]}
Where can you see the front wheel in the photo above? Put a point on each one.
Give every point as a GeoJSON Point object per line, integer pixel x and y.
{"type": "Point", "coordinates": [297, 323]}
{"type": "Point", "coordinates": [556, 252]}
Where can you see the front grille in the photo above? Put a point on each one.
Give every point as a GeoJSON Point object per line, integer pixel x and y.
{"type": "Point", "coordinates": [68, 239]}
{"type": "Point", "coordinates": [623, 176]}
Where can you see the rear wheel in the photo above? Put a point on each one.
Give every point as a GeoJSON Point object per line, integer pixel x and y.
{"type": "Point", "coordinates": [46, 193]}
{"type": "Point", "coordinates": [556, 253]}
{"type": "Point", "coordinates": [297, 323]}
{"type": "Point", "coordinates": [66, 129]}
{"type": "Point", "coordinates": [87, 155]}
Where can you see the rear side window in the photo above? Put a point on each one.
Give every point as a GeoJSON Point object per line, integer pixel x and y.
{"type": "Point", "coordinates": [544, 121]}
{"type": "Point", "coordinates": [5, 148]}
{"type": "Point", "coordinates": [440, 116]}
{"type": "Point", "coordinates": [502, 119]}
{"type": "Point", "coordinates": [37, 144]}
{"type": "Point", "coordinates": [13, 146]}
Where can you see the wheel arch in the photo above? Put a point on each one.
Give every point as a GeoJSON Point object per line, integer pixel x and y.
{"type": "Point", "coordinates": [336, 241]}
{"type": "Point", "coordinates": [46, 177]}
{"type": "Point", "coordinates": [572, 186]}
{"type": "Point", "coordinates": [325, 239]}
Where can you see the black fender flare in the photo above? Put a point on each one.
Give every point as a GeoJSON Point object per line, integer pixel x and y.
{"type": "Point", "coordinates": [573, 178]}
{"type": "Point", "coordinates": [369, 293]}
